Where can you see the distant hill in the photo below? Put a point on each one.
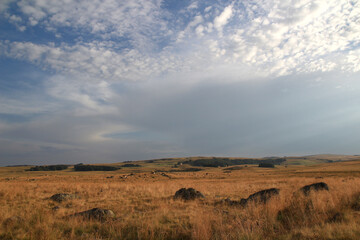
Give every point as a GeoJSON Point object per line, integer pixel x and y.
{"type": "Point", "coordinates": [319, 158]}
{"type": "Point", "coordinates": [198, 163]}
{"type": "Point", "coordinates": [225, 162]}
{"type": "Point", "coordinates": [229, 161]}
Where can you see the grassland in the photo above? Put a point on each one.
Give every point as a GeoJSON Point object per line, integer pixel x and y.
{"type": "Point", "coordinates": [144, 207]}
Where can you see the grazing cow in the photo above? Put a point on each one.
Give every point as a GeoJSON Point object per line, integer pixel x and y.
{"type": "Point", "coordinates": [314, 187]}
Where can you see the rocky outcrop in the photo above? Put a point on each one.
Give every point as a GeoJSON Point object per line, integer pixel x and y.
{"type": "Point", "coordinates": [188, 194]}
{"type": "Point", "coordinates": [314, 187]}
{"type": "Point", "coordinates": [60, 197]}
{"type": "Point", "coordinates": [262, 196]}
{"type": "Point", "coordinates": [96, 213]}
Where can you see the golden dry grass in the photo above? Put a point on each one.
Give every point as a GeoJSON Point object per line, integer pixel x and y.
{"type": "Point", "coordinates": [145, 209]}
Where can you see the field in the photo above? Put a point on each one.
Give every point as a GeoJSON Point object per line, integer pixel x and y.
{"type": "Point", "coordinates": [144, 207]}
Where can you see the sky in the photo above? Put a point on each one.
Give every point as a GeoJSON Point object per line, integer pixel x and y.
{"type": "Point", "coordinates": [109, 81]}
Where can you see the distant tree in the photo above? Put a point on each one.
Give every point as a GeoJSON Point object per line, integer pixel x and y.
{"type": "Point", "coordinates": [224, 162]}
{"type": "Point", "coordinates": [49, 168]}
{"type": "Point", "coordinates": [94, 168]}
{"type": "Point", "coordinates": [266, 165]}
{"type": "Point", "coordinates": [130, 165]}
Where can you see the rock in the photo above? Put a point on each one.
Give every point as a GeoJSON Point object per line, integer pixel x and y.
{"type": "Point", "coordinates": [59, 197]}
{"type": "Point", "coordinates": [314, 187]}
{"type": "Point", "coordinates": [258, 197]}
{"type": "Point", "coordinates": [263, 195]}
{"type": "Point", "coordinates": [188, 194]}
{"type": "Point", "coordinates": [230, 202]}
{"type": "Point", "coordinates": [96, 213]}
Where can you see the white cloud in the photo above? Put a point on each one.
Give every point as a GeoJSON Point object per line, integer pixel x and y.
{"type": "Point", "coordinates": [193, 6]}
{"type": "Point", "coordinates": [273, 36]}
{"type": "Point", "coordinates": [223, 18]}
{"type": "Point", "coordinates": [200, 31]}
{"type": "Point", "coordinates": [95, 59]}
{"type": "Point", "coordinates": [92, 97]}
{"type": "Point", "coordinates": [136, 20]}
{"type": "Point", "coordinates": [302, 36]}
{"type": "Point", "coordinates": [207, 9]}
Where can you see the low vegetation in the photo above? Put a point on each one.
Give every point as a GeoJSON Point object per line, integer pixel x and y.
{"type": "Point", "coordinates": [266, 165]}
{"type": "Point", "coordinates": [49, 168]}
{"type": "Point", "coordinates": [224, 162]}
{"type": "Point", "coordinates": [130, 165]}
{"type": "Point", "coordinates": [81, 167]}
{"type": "Point", "coordinates": [190, 169]}
{"type": "Point", "coordinates": [293, 202]}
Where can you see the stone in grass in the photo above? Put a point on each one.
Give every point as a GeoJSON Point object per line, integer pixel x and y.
{"type": "Point", "coordinates": [264, 195]}
{"type": "Point", "coordinates": [230, 202]}
{"type": "Point", "coordinates": [96, 213]}
{"type": "Point", "coordinates": [188, 194]}
{"type": "Point", "coordinates": [60, 197]}
{"type": "Point", "coordinates": [314, 187]}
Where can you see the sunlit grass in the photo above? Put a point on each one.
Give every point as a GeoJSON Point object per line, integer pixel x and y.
{"type": "Point", "coordinates": [145, 209]}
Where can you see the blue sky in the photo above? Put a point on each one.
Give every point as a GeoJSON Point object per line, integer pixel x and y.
{"type": "Point", "coordinates": [109, 81]}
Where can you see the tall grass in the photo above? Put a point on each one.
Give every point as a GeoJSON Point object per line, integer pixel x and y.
{"type": "Point", "coordinates": [145, 209]}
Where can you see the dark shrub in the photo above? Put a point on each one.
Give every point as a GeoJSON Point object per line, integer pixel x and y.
{"type": "Point", "coordinates": [186, 170]}
{"type": "Point", "coordinates": [266, 165]}
{"type": "Point", "coordinates": [224, 162]}
{"type": "Point", "coordinates": [49, 168]}
{"type": "Point", "coordinates": [130, 165]}
{"type": "Point", "coordinates": [94, 168]}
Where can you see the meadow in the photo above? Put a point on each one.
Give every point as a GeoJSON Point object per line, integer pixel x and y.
{"type": "Point", "coordinates": [144, 207]}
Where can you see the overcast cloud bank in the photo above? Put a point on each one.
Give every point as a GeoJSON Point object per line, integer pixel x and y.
{"type": "Point", "coordinates": [106, 81]}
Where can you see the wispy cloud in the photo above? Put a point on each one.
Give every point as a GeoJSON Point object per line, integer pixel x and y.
{"type": "Point", "coordinates": [221, 20]}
